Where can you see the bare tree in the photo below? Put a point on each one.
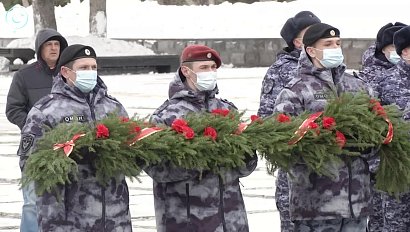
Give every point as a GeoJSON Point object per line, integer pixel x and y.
{"type": "Point", "coordinates": [43, 13]}
{"type": "Point", "coordinates": [98, 18]}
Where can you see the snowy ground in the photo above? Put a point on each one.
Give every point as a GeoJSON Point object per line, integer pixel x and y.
{"type": "Point", "coordinates": [141, 94]}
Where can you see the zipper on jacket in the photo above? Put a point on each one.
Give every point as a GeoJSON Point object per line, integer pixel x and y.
{"type": "Point", "coordinates": [103, 208]}
{"type": "Point", "coordinates": [188, 206]}
{"type": "Point", "coordinates": [349, 168]}
{"type": "Point", "coordinates": [221, 204]}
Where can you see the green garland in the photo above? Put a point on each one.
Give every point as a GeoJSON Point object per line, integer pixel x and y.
{"type": "Point", "coordinates": [349, 126]}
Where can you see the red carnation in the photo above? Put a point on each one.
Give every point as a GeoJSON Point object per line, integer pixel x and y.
{"type": "Point", "coordinates": [222, 112]}
{"type": "Point", "coordinates": [340, 139]}
{"type": "Point", "coordinates": [102, 131]}
{"type": "Point", "coordinates": [137, 129]}
{"type": "Point", "coordinates": [313, 125]}
{"type": "Point", "coordinates": [256, 118]}
{"type": "Point", "coordinates": [124, 119]}
{"type": "Point", "coordinates": [178, 125]}
{"type": "Point", "coordinates": [328, 122]}
{"type": "Point", "coordinates": [211, 132]}
{"type": "Point", "coordinates": [283, 118]}
{"type": "Point", "coordinates": [188, 133]}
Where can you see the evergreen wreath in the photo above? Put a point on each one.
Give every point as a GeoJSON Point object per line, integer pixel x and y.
{"type": "Point", "coordinates": [351, 125]}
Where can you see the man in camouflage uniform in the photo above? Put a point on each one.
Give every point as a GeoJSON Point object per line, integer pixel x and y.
{"type": "Point", "coordinates": [377, 60]}
{"type": "Point", "coordinates": [395, 89]}
{"type": "Point", "coordinates": [78, 94]}
{"type": "Point", "coordinates": [185, 200]}
{"type": "Point", "coordinates": [277, 76]}
{"type": "Point", "coordinates": [320, 203]}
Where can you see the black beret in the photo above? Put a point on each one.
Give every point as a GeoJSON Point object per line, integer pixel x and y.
{"type": "Point", "coordinates": [319, 31]}
{"type": "Point", "coordinates": [74, 52]}
{"type": "Point", "coordinates": [296, 24]}
{"type": "Point", "coordinates": [401, 39]}
{"type": "Point", "coordinates": [379, 37]}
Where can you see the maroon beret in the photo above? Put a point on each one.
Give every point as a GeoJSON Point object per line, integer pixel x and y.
{"type": "Point", "coordinates": [200, 53]}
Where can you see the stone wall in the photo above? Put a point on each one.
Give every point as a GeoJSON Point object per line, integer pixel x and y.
{"type": "Point", "coordinates": [253, 52]}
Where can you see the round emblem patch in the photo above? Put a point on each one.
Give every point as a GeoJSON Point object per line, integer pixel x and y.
{"type": "Point", "coordinates": [332, 33]}
{"type": "Point", "coordinates": [87, 52]}
{"type": "Point", "coordinates": [209, 55]}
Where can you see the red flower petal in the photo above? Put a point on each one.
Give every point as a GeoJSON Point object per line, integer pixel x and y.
{"type": "Point", "coordinates": [283, 118]}
{"type": "Point", "coordinates": [328, 122]}
{"type": "Point", "coordinates": [102, 131]}
{"type": "Point", "coordinates": [340, 139]}
{"type": "Point", "coordinates": [210, 132]}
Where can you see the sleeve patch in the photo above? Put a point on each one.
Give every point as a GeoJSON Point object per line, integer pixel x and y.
{"type": "Point", "coordinates": [26, 143]}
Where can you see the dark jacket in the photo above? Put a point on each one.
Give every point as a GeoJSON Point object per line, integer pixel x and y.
{"type": "Point", "coordinates": [32, 82]}
{"type": "Point", "coordinates": [85, 205]}
{"type": "Point", "coordinates": [184, 201]}
{"type": "Point", "coordinates": [314, 197]}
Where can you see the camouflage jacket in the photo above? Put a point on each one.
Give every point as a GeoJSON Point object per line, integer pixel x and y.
{"type": "Point", "coordinates": [184, 201]}
{"type": "Point", "coordinates": [314, 197]}
{"type": "Point", "coordinates": [395, 87]}
{"type": "Point", "coordinates": [373, 68]}
{"type": "Point", "coordinates": [277, 76]}
{"type": "Point", "coordinates": [85, 205]}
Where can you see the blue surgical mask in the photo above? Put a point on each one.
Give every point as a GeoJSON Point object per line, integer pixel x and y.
{"type": "Point", "coordinates": [332, 57]}
{"type": "Point", "coordinates": [85, 80]}
{"type": "Point", "coordinates": [393, 58]}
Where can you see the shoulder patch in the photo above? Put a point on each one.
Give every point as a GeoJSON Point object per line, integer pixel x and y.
{"type": "Point", "coordinates": [27, 141]}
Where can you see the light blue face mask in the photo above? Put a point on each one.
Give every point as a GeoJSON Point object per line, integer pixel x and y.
{"type": "Point", "coordinates": [206, 81]}
{"type": "Point", "coordinates": [86, 80]}
{"type": "Point", "coordinates": [332, 57]}
{"type": "Point", "coordinates": [393, 58]}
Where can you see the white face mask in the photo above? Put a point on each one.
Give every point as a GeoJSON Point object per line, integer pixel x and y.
{"type": "Point", "coordinates": [205, 81]}
{"type": "Point", "coordinates": [393, 58]}
{"type": "Point", "coordinates": [332, 57]}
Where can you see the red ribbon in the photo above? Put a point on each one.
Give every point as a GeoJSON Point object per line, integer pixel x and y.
{"type": "Point", "coordinates": [145, 133]}
{"type": "Point", "coordinates": [303, 128]}
{"type": "Point", "coordinates": [241, 127]}
{"type": "Point", "coordinates": [389, 136]}
{"type": "Point", "coordinates": [67, 146]}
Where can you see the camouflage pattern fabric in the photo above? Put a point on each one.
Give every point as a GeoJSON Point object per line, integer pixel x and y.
{"type": "Point", "coordinates": [184, 200]}
{"type": "Point", "coordinates": [395, 89]}
{"type": "Point", "coordinates": [314, 197]}
{"type": "Point", "coordinates": [373, 69]}
{"type": "Point", "coordinates": [85, 205]}
{"type": "Point", "coordinates": [277, 76]}
{"type": "Point", "coordinates": [282, 201]}
{"type": "Point", "coordinates": [396, 213]}
{"type": "Point", "coordinates": [333, 225]}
